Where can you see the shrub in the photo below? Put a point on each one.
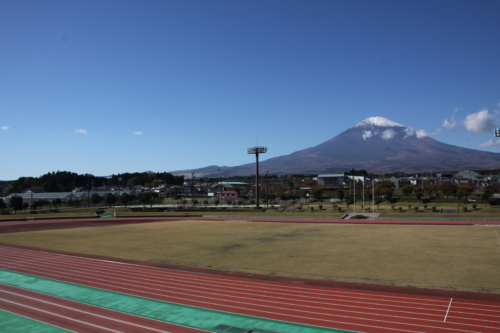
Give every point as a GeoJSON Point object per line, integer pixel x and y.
{"type": "Point", "coordinates": [416, 208]}
{"type": "Point", "coordinates": [409, 206]}
{"type": "Point", "coordinates": [339, 209]}
{"type": "Point", "coordinates": [433, 209]}
{"type": "Point", "coordinates": [474, 206]}
{"type": "Point", "coordinates": [393, 207]}
{"type": "Point", "coordinates": [320, 207]}
{"type": "Point", "coordinates": [312, 208]}
{"type": "Point", "coordinates": [464, 208]}
{"type": "Point", "coordinates": [425, 207]}
{"type": "Point", "coordinates": [400, 209]}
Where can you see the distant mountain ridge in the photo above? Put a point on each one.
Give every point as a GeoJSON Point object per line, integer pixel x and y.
{"type": "Point", "coordinates": [376, 144]}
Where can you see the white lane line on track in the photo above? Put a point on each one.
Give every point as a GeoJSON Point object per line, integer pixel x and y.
{"type": "Point", "coordinates": [447, 311]}
{"type": "Point", "coordinates": [270, 290]}
{"type": "Point", "coordinates": [85, 312]}
{"type": "Point", "coordinates": [307, 302]}
{"type": "Point", "coordinates": [178, 289]}
{"type": "Point", "coordinates": [268, 313]}
{"type": "Point", "coordinates": [474, 319]}
{"type": "Point", "coordinates": [234, 280]}
{"type": "Point", "coordinates": [59, 315]}
{"type": "Point", "coordinates": [17, 314]}
{"type": "Point", "coordinates": [145, 285]}
{"type": "Point", "coordinates": [204, 302]}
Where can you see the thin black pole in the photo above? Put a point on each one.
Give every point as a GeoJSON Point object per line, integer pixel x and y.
{"type": "Point", "coordinates": [257, 178]}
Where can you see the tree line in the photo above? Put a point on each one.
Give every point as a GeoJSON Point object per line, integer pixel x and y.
{"type": "Point", "coordinates": [65, 181]}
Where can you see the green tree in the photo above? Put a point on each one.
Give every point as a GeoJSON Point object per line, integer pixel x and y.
{"type": "Point", "coordinates": [448, 188]}
{"type": "Point", "coordinates": [419, 193]}
{"type": "Point", "coordinates": [125, 198]}
{"type": "Point", "coordinates": [96, 199]}
{"type": "Point", "coordinates": [110, 199]}
{"type": "Point", "coordinates": [465, 190]}
{"type": "Point", "coordinates": [486, 195]}
{"type": "Point", "coordinates": [16, 203]}
{"type": "Point", "coordinates": [3, 205]}
{"type": "Point", "coordinates": [388, 194]}
{"type": "Point", "coordinates": [42, 203]}
{"type": "Point", "coordinates": [341, 195]}
{"type": "Point", "coordinates": [57, 202]}
{"type": "Point", "coordinates": [407, 190]}
{"type": "Point", "coordinates": [431, 189]}
{"type": "Point", "coordinates": [317, 192]}
{"type": "Point", "coordinates": [144, 198]}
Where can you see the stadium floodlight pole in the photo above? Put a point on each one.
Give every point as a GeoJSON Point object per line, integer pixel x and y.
{"type": "Point", "coordinates": [257, 150]}
{"type": "Point", "coordinates": [496, 131]}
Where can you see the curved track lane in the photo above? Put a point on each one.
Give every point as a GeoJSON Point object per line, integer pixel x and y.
{"type": "Point", "coordinates": [355, 310]}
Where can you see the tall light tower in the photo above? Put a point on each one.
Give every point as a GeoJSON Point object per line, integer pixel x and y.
{"type": "Point", "coordinates": [497, 132]}
{"type": "Point", "coordinates": [257, 150]}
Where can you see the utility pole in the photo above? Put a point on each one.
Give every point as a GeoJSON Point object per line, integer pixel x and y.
{"type": "Point", "coordinates": [192, 184]}
{"type": "Point", "coordinates": [267, 186]}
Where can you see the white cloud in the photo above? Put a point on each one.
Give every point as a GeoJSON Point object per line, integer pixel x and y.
{"type": "Point", "coordinates": [4, 128]}
{"type": "Point", "coordinates": [388, 134]}
{"type": "Point", "coordinates": [409, 132]}
{"type": "Point", "coordinates": [367, 134]}
{"type": "Point", "coordinates": [138, 133]}
{"type": "Point", "coordinates": [490, 143]}
{"type": "Point", "coordinates": [480, 122]}
{"type": "Point", "coordinates": [423, 133]}
{"type": "Point", "coordinates": [80, 131]}
{"type": "Point", "coordinates": [452, 124]}
{"type": "Point", "coordinates": [456, 110]}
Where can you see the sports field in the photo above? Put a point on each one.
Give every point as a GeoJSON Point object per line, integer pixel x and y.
{"type": "Point", "coordinates": [465, 258]}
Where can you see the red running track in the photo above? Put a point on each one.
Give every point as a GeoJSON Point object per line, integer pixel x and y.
{"type": "Point", "coordinates": [355, 310]}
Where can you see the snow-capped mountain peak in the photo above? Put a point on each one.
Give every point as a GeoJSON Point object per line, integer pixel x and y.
{"type": "Point", "coordinates": [378, 121]}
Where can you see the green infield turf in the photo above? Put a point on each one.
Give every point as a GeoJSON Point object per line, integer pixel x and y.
{"type": "Point", "coordinates": [465, 258]}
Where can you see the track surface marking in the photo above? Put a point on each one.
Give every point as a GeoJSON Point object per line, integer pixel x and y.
{"type": "Point", "coordinates": [354, 310]}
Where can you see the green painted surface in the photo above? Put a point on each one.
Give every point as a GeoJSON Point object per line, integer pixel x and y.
{"type": "Point", "coordinates": [163, 311]}
{"type": "Point", "coordinates": [12, 323]}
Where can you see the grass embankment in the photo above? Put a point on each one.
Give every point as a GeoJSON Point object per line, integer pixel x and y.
{"type": "Point", "coordinates": [463, 258]}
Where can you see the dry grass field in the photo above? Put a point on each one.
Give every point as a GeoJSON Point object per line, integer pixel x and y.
{"type": "Point", "coordinates": [443, 257]}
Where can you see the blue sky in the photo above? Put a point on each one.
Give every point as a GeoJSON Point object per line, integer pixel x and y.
{"type": "Point", "coordinates": [107, 87]}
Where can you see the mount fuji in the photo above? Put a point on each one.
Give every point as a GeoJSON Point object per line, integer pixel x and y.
{"type": "Point", "coordinates": [376, 144]}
